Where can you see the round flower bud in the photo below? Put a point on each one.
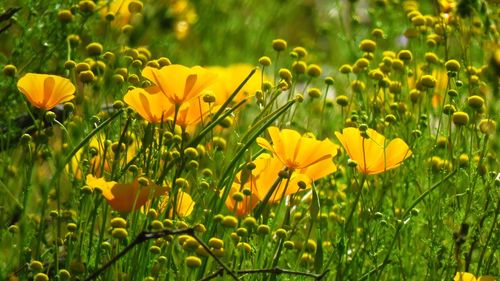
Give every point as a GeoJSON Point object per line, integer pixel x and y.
{"type": "Point", "coordinates": [405, 55]}
{"type": "Point", "coordinates": [64, 274]}
{"type": "Point", "coordinates": [487, 126]}
{"type": "Point", "coordinates": [279, 45]}
{"type": "Point", "coordinates": [476, 102]}
{"type": "Point", "coordinates": [299, 67]}
{"type": "Point", "coordinates": [191, 152]}
{"type": "Point", "coordinates": [163, 61]}
{"type": "Point", "coordinates": [82, 66]}
{"type": "Point", "coordinates": [449, 109]}
{"type": "Point", "coordinates": [9, 70]}
{"type": "Point", "coordinates": [460, 118]}
{"type": "Point", "coordinates": [463, 160]}
{"type": "Point", "coordinates": [314, 93]}
{"type": "Point", "coordinates": [310, 246]}
{"type": "Point", "coordinates": [418, 20]}
{"type": "Point", "coordinates": [36, 265]}
{"type": "Point", "coordinates": [65, 16]}
{"type": "Point", "coordinates": [86, 76]}
{"type": "Point", "coordinates": [280, 233]}
{"type": "Point", "coordinates": [13, 229]}
{"type": "Point", "coordinates": [428, 81]}
{"type": "Point", "coordinates": [288, 245]}
{"type": "Point", "coordinates": [193, 261]}
{"type": "Point", "coordinates": [362, 63]}
{"type": "Point", "coordinates": [367, 46]}
{"type": "Point", "coordinates": [314, 70]}
{"type": "Point", "coordinates": [71, 227]}
{"type": "Point", "coordinates": [215, 243]}
{"type": "Point", "coordinates": [263, 229]}
{"type": "Point", "coordinates": [118, 222]}
{"type": "Point", "coordinates": [73, 40]}
{"type": "Point", "coordinates": [238, 196]}
{"type": "Point", "coordinates": [249, 222]}
{"type": "Point", "coordinates": [342, 100]}
{"type": "Point", "coordinates": [94, 49]}
{"type": "Point", "coordinates": [41, 277]}
{"type": "Point", "coordinates": [135, 6]}
{"type": "Point", "coordinates": [230, 221]}
{"type": "Point", "coordinates": [397, 64]}
{"type": "Point", "coordinates": [86, 6]}
{"type": "Point", "coordinates": [345, 69]}
{"type": "Point", "coordinates": [452, 93]}
{"type": "Point", "coordinates": [329, 80]}
{"type": "Point", "coordinates": [265, 61]}
{"type": "Point", "coordinates": [431, 57]}
{"type": "Point", "coordinates": [285, 74]}
{"type": "Point", "coordinates": [70, 64]}
{"type": "Point", "coordinates": [119, 233]}
{"type": "Point", "coordinates": [452, 65]}
{"type": "Point", "coordinates": [378, 33]}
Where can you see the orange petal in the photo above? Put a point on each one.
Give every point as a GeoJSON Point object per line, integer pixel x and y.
{"type": "Point", "coordinates": [46, 91]}
{"type": "Point", "coordinates": [153, 108]}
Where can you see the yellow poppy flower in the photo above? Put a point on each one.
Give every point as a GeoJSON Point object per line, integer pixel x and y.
{"type": "Point", "coordinates": [154, 108]}
{"type": "Point", "coordinates": [185, 204]}
{"type": "Point", "coordinates": [371, 154]}
{"type": "Point", "coordinates": [230, 77]}
{"type": "Point", "coordinates": [466, 276]}
{"type": "Point", "coordinates": [177, 82]}
{"type": "Point", "coordinates": [124, 197]}
{"type": "Point", "coordinates": [296, 151]}
{"type": "Point", "coordinates": [46, 91]}
{"type": "Point", "coordinates": [263, 176]}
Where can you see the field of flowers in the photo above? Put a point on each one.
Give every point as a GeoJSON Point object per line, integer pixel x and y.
{"type": "Point", "coordinates": [249, 140]}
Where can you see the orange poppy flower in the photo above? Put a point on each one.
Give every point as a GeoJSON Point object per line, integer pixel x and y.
{"type": "Point", "coordinates": [230, 77]}
{"type": "Point", "coordinates": [466, 276]}
{"type": "Point", "coordinates": [177, 82]}
{"type": "Point", "coordinates": [155, 108]}
{"type": "Point", "coordinates": [296, 151]}
{"type": "Point", "coordinates": [46, 91]}
{"type": "Point", "coordinates": [264, 175]}
{"type": "Point", "coordinates": [125, 197]}
{"type": "Point", "coordinates": [371, 154]}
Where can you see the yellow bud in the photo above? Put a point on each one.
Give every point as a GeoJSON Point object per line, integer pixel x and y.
{"type": "Point", "coordinates": [193, 261]}
{"type": "Point", "coordinates": [460, 118]}
{"type": "Point", "coordinates": [9, 70]}
{"type": "Point", "coordinates": [314, 70]}
{"type": "Point", "coordinates": [368, 46]}
{"type": "Point", "coordinates": [119, 233]}
{"type": "Point", "coordinates": [230, 221]}
{"type": "Point", "coordinates": [94, 49]}
{"type": "Point", "coordinates": [279, 45]}
{"type": "Point", "coordinates": [65, 16]}
{"type": "Point", "coordinates": [452, 65]}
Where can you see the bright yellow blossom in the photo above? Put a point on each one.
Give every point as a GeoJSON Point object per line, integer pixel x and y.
{"type": "Point", "coordinates": [371, 154]}
{"type": "Point", "coordinates": [45, 91]}
{"type": "Point", "coordinates": [299, 152]}
{"type": "Point", "coordinates": [466, 276]}
{"type": "Point", "coordinates": [177, 82]}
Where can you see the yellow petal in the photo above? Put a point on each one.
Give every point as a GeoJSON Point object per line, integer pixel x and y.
{"type": "Point", "coordinates": [464, 276]}
{"type": "Point", "coordinates": [185, 204]}
{"type": "Point", "coordinates": [153, 108]}
{"type": "Point", "coordinates": [46, 91]}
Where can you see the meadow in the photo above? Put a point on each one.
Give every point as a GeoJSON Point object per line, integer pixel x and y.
{"type": "Point", "coordinates": [249, 140]}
